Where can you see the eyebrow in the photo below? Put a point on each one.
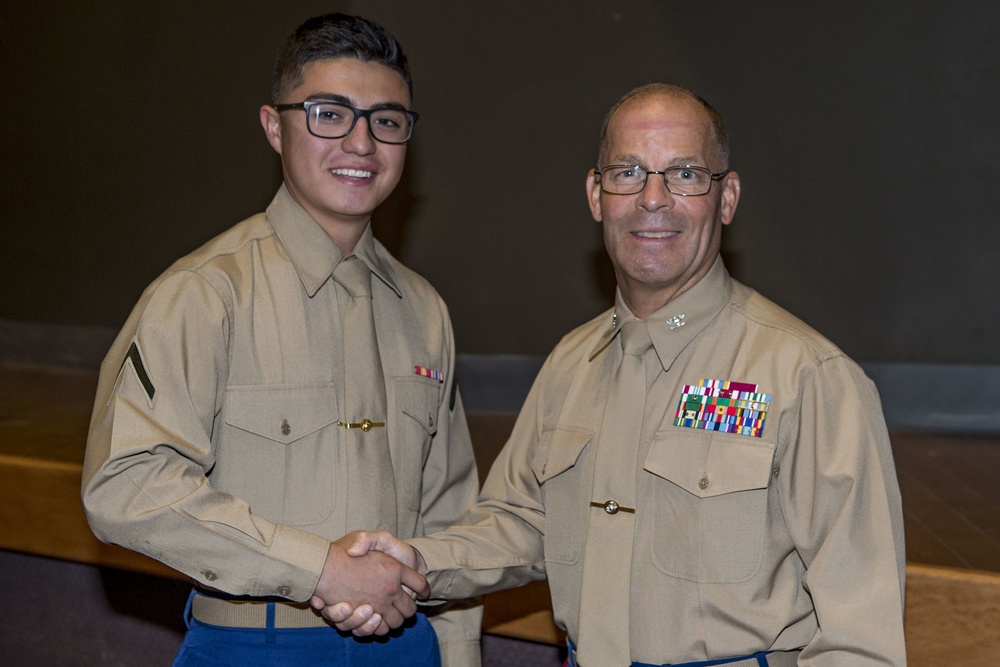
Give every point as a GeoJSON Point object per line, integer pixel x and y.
{"type": "Point", "coordinates": [688, 161]}
{"type": "Point", "coordinates": [346, 101]}
{"type": "Point", "coordinates": [683, 161]}
{"type": "Point", "coordinates": [330, 97]}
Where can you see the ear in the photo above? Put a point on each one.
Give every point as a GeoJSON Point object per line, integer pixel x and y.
{"type": "Point", "coordinates": [594, 195]}
{"type": "Point", "coordinates": [270, 120]}
{"type": "Point", "coordinates": [730, 196]}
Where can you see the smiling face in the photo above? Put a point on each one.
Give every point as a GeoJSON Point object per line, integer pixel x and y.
{"type": "Point", "coordinates": [339, 182]}
{"type": "Point", "coordinates": [662, 244]}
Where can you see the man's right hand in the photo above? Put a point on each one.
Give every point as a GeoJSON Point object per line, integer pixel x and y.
{"type": "Point", "coordinates": [372, 580]}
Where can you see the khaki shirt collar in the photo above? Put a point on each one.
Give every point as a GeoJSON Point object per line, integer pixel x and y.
{"type": "Point", "coordinates": [312, 252]}
{"type": "Point", "coordinates": [679, 322]}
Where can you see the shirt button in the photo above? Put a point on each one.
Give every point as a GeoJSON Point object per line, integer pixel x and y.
{"type": "Point", "coordinates": [210, 576]}
{"type": "Point", "coordinates": [703, 483]}
{"type": "Point", "coordinates": [284, 591]}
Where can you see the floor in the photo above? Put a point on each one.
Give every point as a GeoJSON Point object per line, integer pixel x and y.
{"type": "Point", "coordinates": [951, 499]}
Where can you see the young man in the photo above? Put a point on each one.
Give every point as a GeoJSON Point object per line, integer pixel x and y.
{"type": "Point", "coordinates": [290, 381]}
{"type": "Point", "coordinates": [703, 479]}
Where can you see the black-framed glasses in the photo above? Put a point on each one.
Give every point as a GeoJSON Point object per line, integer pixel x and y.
{"type": "Point", "coordinates": [628, 179]}
{"type": "Point", "coordinates": [332, 120]}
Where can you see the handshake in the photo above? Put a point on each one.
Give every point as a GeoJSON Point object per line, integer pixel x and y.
{"type": "Point", "coordinates": [370, 583]}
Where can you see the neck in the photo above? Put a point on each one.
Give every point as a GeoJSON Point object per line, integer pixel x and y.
{"type": "Point", "coordinates": [345, 230]}
{"type": "Point", "coordinates": [643, 307]}
{"type": "Point", "coordinates": [644, 299]}
{"type": "Point", "coordinates": [345, 236]}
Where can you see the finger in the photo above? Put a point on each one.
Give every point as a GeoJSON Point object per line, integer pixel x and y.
{"type": "Point", "coordinates": [384, 541]}
{"type": "Point", "coordinates": [337, 613]}
{"type": "Point", "coordinates": [416, 582]}
{"type": "Point", "coordinates": [369, 627]}
{"type": "Point", "coordinates": [356, 620]}
{"type": "Point", "coordinates": [405, 605]}
{"type": "Point", "coordinates": [317, 603]}
{"type": "Point", "coordinates": [393, 618]}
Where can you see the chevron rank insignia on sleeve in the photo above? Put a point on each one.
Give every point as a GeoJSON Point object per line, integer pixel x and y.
{"type": "Point", "coordinates": [139, 367]}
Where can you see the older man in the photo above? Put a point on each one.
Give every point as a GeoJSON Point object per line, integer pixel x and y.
{"type": "Point", "coordinates": [702, 477]}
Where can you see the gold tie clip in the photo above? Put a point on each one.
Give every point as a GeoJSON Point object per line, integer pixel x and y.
{"type": "Point", "coordinates": [365, 424]}
{"type": "Point", "coordinates": [612, 507]}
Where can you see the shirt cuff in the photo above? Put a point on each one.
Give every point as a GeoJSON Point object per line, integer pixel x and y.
{"type": "Point", "coordinates": [293, 564]}
{"type": "Point", "coordinates": [440, 565]}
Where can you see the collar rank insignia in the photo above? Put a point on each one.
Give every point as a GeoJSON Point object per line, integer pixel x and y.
{"type": "Point", "coordinates": [675, 322]}
{"type": "Point", "coordinates": [724, 406]}
{"type": "Point", "coordinates": [428, 373]}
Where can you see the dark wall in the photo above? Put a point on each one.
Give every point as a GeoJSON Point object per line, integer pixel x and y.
{"type": "Point", "coordinates": [864, 133]}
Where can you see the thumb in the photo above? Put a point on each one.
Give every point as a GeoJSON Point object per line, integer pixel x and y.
{"type": "Point", "coordinates": [363, 543]}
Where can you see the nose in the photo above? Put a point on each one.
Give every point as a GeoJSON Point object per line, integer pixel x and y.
{"type": "Point", "coordinates": [359, 140]}
{"type": "Point", "coordinates": [655, 195]}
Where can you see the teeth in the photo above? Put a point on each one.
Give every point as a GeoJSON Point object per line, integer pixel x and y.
{"type": "Point", "coordinates": [351, 173]}
{"type": "Point", "coordinates": [656, 235]}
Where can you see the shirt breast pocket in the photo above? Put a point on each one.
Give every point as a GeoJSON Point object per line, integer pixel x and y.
{"type": "Point", "coordinates": [709, 504]}
{"type": "Point", "coordinates": [417, 401]}
{"type": "Point", "coordinates": [278, 450]}
{"type": "Point", "coordinates": [562, 477]}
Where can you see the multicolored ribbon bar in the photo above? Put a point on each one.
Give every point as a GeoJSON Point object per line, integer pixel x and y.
{"type": "Point", "coordinates": [724, 406]}
{"type": "Point", "coordinates": [428, 373]}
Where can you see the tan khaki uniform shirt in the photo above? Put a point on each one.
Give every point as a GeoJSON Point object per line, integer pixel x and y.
{"type": "Point", "coordinates": [214, 444]}
{"type": "Point", "coordinates": [742, 544]}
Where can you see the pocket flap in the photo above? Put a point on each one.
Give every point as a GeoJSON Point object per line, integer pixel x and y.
{"type": "Point", "coordinates": [418, 399]}
{"type": "Point", "coordinates": [710, 464]}
{"type": "Point", "coordinates": [558, 451]}
{"type": "Point", "coordinates": [279, 412]}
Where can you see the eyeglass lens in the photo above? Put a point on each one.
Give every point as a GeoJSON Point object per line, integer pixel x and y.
{"type": "Point", "coordinates": [332, 121]}
{"type": "Point", "coordinates": [630, 179]}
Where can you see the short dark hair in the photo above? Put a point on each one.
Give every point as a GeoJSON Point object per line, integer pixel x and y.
{"type": "Point", "coordinates": [335, 36]}
{"type": "Point", "coordinates": [669, 90]}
